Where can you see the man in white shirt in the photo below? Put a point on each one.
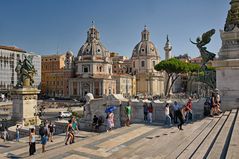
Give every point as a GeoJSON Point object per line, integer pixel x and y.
{"type": "Point", "coordinates": [168, 118]}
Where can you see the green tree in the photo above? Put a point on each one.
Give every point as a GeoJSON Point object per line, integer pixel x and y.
{"type": "Point", "coordinates": [173, 68]}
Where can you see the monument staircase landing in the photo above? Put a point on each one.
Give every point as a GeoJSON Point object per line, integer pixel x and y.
{"type": "Point", "coordinates": [211, 137]}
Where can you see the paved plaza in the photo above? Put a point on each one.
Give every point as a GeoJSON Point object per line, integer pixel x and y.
{"type": "Point", "coordinates": [210, 137]}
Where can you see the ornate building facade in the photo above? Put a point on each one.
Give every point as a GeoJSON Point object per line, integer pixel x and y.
{"type": "Point", "coordinates": [94, 69]}
{"type": "Point", "coordinates": [144, 57]}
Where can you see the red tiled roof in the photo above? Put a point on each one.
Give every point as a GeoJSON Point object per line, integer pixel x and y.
{"type": "Point", "coordinates": [12, 48]}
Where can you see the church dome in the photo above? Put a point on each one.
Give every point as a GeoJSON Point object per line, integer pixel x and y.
{"type": "Point", "coordinates": [93, 46]}
{"type": "Point", "coordinates": [145, 47]}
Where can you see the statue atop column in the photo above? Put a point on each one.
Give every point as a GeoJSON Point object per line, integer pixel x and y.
{"type": "Point", "coordinates": [25, 72]}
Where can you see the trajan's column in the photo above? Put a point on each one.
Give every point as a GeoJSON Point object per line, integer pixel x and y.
{"type": "Point", "coordinates": [227, 66]}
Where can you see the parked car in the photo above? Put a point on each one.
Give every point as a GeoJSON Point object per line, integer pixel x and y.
{"type": "Point", "coordinates": [65, 114]}
{"type": "Point", "coordinates": [53, 99]}
{"type": "Point", "coordinates": [75, 100]}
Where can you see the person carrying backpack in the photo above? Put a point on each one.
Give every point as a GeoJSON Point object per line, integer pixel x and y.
{"type": "Point", "coordinates": [43, 132]}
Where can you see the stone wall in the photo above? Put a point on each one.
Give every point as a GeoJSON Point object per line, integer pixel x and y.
{"type": "Point", "coordinates": [227, 83]}
{"type": "Point", "coordinates": [98, 106]}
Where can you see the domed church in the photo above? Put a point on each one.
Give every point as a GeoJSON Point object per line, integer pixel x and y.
{"type": "Point", "coordinates": [93, 68]}
{"type": "Point", "coordinates": [144, 57]}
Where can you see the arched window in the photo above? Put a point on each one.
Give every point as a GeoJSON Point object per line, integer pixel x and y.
{"type": "Point", "coordinates": [154, 63]}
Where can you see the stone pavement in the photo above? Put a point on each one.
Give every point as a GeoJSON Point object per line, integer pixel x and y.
{"type": "Point", "coordinates": [11, 149]}
{"type": "Point", "coordinates": [207, 138]}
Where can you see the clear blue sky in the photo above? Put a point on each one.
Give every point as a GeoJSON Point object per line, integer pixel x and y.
{"type": "Point", "coordinates": [43, 26]}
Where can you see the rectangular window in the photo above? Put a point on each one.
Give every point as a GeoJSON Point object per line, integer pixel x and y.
{"type": "Point", "coordinates": [85, 69]}
{"type": "Point", "coordinates": [142, 63]}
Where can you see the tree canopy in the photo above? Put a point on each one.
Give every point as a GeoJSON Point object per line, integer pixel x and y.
{"type": "Point", "coordinates": [172, 65]}
{"type": "Point", "coordinates": [174, 68]}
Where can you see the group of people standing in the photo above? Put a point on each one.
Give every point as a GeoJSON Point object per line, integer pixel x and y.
{"type": "Point", "coordinates": [148, 112]}
{"type": "Point", "coordinates": [178, 112]}
{"type": "Point", "coordinates": [46, 131]}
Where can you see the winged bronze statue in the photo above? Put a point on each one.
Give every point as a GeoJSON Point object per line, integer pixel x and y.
{"type": "Point", "coordinates": [201, 42]}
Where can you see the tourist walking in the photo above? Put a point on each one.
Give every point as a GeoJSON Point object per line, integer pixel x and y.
{"type": "Point", "coordinates": [150, 113]}
{"type": "Point", "coordinates": [188, 110]}
{"type": "Point", "coordinates": [176, 107]}
{"type": "Point", "coordinates": [75, 124]}
{"type": "Point", "coordinates": [5, 134]}
{"type": "Point", "coordinates": [69, 133]}
{"type": "Point", "coordinates": [128, 114]}
{"type": "Point", "coordinates": [145, 107]}
{"type": "Point", "coordinates": [74, 127]}
{"type": "Point", "coordinates": [110, 121]}
{"type": "Point", "coordinates": [18, 127]}
{"type": "Point", "coordinates": [51, 128]}
{"type": "Point", "coordinates": [167, 116]}
{"type": "Point", "coordinates": [181, 117]}
{"type": "Point", "coordinates": [43, 132]}
{"type": "Point", "coordinates": [32, 142]}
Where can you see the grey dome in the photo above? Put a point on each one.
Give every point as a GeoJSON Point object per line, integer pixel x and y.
{"type": "Point", "coordinates": [145, 47]}
{"type": "Point", "coordinates": [93, 46]}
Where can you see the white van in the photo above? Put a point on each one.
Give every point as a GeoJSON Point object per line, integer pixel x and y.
{"type": "Point", "coordinates": [64, 114]}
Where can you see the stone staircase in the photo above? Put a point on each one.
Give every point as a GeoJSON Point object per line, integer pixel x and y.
{"type": "Point", "coordinates": [216, 137]}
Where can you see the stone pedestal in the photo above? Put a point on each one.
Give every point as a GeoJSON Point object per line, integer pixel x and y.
{"type": "Point", "coordinates": [228, 82]}
{"type": "Point", "coordinates": [227, 69]}
{"type": "Point", "coordinates": [25, 105]}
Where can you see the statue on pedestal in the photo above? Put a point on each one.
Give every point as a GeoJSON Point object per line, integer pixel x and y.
{"type": "Point", "coordinates": [25, 72]}
{"type": "Point", "coordinates": [25, 95]}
